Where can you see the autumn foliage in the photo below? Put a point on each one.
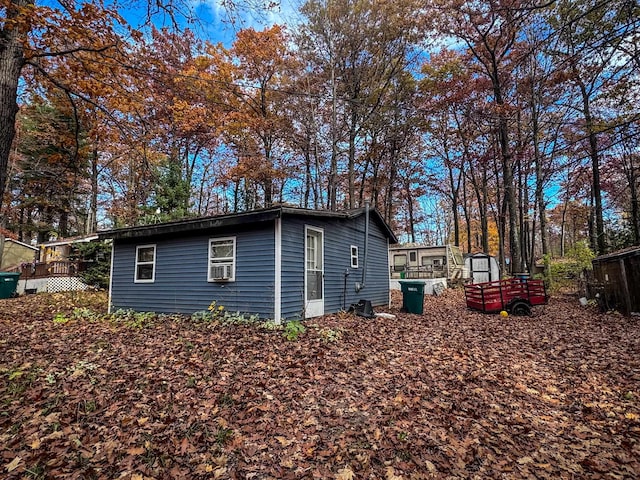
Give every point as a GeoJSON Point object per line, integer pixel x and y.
{"type": "Point", "coordinates": [508, 127]}
{"type": "Point", "coordinates": [448, 394]}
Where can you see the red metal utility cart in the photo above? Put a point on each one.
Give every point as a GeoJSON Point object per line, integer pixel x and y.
{"type": "Point", "coordinates": [514, 295]}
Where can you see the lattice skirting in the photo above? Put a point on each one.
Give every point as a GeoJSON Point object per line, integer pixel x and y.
{"type": "Point", "coordinates": [53, 284]}
{"type": "Point", "coordinates": [65, 284]}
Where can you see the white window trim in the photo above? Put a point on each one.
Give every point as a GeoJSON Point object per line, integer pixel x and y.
{"type": "Point", "coordinates": [113, 253]}
{"type": "Point", "coordinates": [277, 281]}
{"type": "Point", "coordinates": [232, 278]}
{"type": "Point", "coordinates": [153, 274]}
{"type": "Point", "coordinates": [354, 256]}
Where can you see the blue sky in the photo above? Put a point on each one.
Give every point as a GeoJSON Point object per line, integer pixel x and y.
{"type": "Point", "coordinates": [214, 22]}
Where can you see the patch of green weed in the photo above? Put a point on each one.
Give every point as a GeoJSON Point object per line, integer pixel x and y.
{"type": "Point", "coordinates": [61, 319]}
{"type": "Point", "coordinates": [293, 329]}
{"type": "Point", "coordinates": [133, 319]}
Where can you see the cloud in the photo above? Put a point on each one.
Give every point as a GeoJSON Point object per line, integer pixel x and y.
{"type": "Point", "coordinates": [223, 19]}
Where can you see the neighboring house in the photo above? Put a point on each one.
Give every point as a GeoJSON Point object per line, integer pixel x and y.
{"type": "Point", "coordinates": [482, 267]}
{"type": "Point", "coordinates": [279, 263]}
{"type": "Point", "coordinates": [63, 249]}
{"type": "Point", "coordinates": [618, 277]}
{"type": "Point", "coordinates": [57, 267]}
{"type": "Point", "coordinates": [16, 253]}
{"type": "Point", "coordinates": [434, 264]}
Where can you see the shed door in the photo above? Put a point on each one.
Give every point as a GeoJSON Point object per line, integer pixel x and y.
{"type": "Point", "coordinates": [314, 273]}
{"type": "Point", "coordinates": [481, 269]}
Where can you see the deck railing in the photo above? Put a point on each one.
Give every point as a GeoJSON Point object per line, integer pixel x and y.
{"type": "Point", "coordinates": [436, 271]}
{"type": "Point", "coordinates": [58, 268]}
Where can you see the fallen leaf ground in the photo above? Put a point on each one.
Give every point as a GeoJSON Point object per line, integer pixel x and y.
{"type": "Point", "coordinates": [449, 394]}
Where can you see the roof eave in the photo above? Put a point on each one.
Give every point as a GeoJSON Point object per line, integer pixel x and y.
{"type": "Point", "coordinates": [632, 252]}
{"type": "Point", "coordinates": [235, 219]}
{"type": "Point", "coordinates": [200, 224]}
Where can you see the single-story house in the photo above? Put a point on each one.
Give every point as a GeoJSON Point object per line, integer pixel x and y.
{"type": "Point", "coordinates": [279, 263]}
{"type": "Point", "coordinates": [16, 253]}
{"type": "Point", "coordinates": [618, 275]}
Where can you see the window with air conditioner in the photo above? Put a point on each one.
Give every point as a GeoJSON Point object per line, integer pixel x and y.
{"type": "Point", "coordinates": [222, 259]}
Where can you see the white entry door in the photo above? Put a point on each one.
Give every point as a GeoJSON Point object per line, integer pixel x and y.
{"type": "Point", "coordinates": [314, 272]}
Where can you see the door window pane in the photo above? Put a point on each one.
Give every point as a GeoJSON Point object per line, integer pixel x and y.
{"type": "Point", "coordinates": [314, 285]}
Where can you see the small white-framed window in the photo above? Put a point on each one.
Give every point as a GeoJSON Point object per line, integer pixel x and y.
{"type": "Point", "coordinates": [222, 259]}
{"type": "Point", "coordinates": [145, 264]}
{"type": "Point", "coordinates": [354, 256]}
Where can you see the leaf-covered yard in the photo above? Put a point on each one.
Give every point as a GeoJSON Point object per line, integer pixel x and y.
{"type": "Point", "coordinates": [451, 394]}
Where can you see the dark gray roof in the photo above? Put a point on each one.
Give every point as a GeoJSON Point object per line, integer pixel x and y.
{"type": "Point", "coordinates": [625, 252]}
{"type": "Point", "coordinates": [199, 224]}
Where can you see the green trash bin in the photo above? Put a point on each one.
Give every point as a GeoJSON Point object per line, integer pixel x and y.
{"type": "Point", "coordinates": [412, 296]}
{"type": "Point", "coordinates": [8, 284]}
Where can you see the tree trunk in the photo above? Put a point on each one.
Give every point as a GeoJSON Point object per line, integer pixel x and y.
{"type": "Point", "coordinates": [509, 193]}
{"type": "Point", "coordinates": [507, 166]}
{"type": "Point", "coordinates": [635, 207]}
{"type": "Point", "coordinates": [352, 157]}
{"type": "Point", "coordinates": [600, 240]}
{"type": "Point", "coordinates": [389, 210]}
{"type": "Point", "coordinates": [412, 230]}
{"type": "Point", "coordinates": [317, 196]}
{"type": "Point", "coordinates": [306, 152]}
{"type": "Point", "coordinates": [593, 235]}
{"type": "Point", "coordinates": [12, 37]}
{"type": "Point", "coordinates": [465, 211]}
{"type": "Point", "coordinates": [484, 216]}
{"type": "Point", "coordinates": [454, 185]}
{"type": "Point", "coordinates": [333, 170]}
{"type": "Point", "coordinates": [539, 188]}
{"type": "Point", "coordinates": [563, 228]}
{"type": "Point", "coordinates": [92, 222]}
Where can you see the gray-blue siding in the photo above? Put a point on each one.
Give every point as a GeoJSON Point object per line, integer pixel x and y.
{"type": "Point", "coordinates": [339, 235]}
{"type": "Point", "coordinates": [181, 270]}
{"type": "Point", "coordinates": [181, 284]}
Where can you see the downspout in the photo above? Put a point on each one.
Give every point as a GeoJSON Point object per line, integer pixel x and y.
{"type": "Point", "coordinates": [360, 286]}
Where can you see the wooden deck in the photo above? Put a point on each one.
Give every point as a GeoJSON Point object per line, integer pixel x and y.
{"type": "Point", "coordinates": [52, 269]}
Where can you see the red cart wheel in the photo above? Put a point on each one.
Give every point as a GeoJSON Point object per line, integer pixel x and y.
{"type": "Point", "coordinates": [520, 308]}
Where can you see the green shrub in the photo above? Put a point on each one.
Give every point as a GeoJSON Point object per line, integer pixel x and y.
{"type": "Point", "coordinates": [217, 315]}
{"type": "Point", "coordinates": [293, 329]}
{"type": "Point", "coordinates": [566, 272]}
{"type": "Point", "coordinates": [98, 256]}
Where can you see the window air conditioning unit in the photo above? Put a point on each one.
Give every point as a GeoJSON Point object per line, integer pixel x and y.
{"type": "Point", "coordinates": [221, 273]}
